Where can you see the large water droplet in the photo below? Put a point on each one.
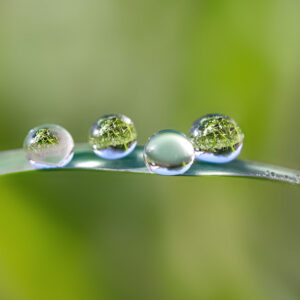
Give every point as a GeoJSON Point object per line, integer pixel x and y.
{"type": "Point", "coordinates": [169, 152]}
{"type": "Point", "coordinates": [49, 146]}
{"type": "Point", "coordinates": [113, 136]}
{"type": "Point", "coordinates": [216, 138]}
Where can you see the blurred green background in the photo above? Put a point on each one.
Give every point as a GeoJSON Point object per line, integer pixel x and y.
{"type": "Point", "coordinates": [94, 235]}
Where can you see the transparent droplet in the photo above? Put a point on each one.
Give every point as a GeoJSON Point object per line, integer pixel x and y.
{"type": "Point", "coordinates": [49, 146]}
{"type": "Point", "coordinates": [169, 152]}
{"type": "Point", "coordinates": [216, 138]}
{"type": "Point", "coordinates": [113, 136]}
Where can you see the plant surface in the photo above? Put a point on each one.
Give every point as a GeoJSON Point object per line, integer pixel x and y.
{"type": "Point", "coordinates": [15, 161]}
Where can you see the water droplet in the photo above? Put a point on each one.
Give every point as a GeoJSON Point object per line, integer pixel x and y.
{"type": "Point", "coordinates": [49, 146]}
{"type": "Point", "coordinates": [113, 136]}
{"type": "Point", "coordinates": [216, 138]}
{"type": "Point", "coordinates": [169, 152]}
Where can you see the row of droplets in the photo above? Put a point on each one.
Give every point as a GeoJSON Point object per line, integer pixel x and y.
{"type": "Point", "coordinates": [214, 138]}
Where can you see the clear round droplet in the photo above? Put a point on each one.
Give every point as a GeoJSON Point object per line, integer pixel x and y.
{"type": "Point", "coordinates": [113, 136]}
{"type": "Point", "coordinates": [169, 152]}
{"type": "Point", "coordinates": [216, 138]}
{"type": "Point", "coordinates": [49, 146]}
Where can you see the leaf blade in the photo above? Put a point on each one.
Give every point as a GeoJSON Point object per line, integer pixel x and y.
{"type": "Point", "coordinates": [14, 161]}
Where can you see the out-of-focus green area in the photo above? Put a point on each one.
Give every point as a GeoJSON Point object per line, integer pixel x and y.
{"type": "Point", "coordinates": [82, 235]}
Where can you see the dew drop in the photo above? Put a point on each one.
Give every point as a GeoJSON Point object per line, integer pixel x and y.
{"type": "Point", "coordinates": [169, 152]}
{"type": "Point", "coordinates": [216, 138]}
{"type": "Point", "coordinates": [49, 146]}
{"type": "Point", "coordinates": [113, 136]}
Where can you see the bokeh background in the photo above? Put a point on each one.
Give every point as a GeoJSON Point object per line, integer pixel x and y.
{"type": "Point", "coordinates": [94, 235]}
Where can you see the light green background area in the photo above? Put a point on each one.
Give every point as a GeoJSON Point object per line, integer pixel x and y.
{"type": "Point", "coordinates": [82, 235]}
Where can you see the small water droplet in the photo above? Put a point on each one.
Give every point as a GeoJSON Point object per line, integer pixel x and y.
{"type": "Point", "coordinates": [216, 138]}
{"type": "Point", "coordinates": [113, 136]}
{"type": "Point", "coordinates": [49, 146]}
{"type": "Point", "coordinates": [264, 174]}
{"type": "Point", "coordinates": [169, 152]}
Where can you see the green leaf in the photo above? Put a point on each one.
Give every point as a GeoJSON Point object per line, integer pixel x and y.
{"type": "Point", "coordinates": [14, 161]}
